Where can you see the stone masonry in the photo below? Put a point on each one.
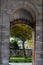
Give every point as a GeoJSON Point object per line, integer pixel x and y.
{"type": "Point", "coordinates": [7, 9]}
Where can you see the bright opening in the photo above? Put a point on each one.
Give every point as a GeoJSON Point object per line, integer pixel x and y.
{"type": "Point", "coordinates": [20, 43]}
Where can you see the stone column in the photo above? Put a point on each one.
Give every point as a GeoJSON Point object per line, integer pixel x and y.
{"type": "Point", "coordinates": [4, 34]}
{"type": "Point", "coordinates": [0, 46]}
{"type": "Point", "coordinates": [39, 50]}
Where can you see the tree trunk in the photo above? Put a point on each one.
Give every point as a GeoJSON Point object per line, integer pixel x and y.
{"type": "Point", "coordinates": [24, 50]}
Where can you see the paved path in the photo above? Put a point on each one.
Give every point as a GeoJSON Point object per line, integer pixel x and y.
{"type": "Point", "coordinates": [20, 63]}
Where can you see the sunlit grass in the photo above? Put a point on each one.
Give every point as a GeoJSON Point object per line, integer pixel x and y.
{"type": "Point", "coordinates": [17, 59]}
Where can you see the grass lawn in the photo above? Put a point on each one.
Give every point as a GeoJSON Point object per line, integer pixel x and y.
{"type": "Point", "coordinates": [17, 59]}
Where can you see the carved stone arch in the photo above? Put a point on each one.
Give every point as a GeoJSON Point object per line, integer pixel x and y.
{"type": "Point", "coordinates": [7, 10]}
{"type": "Point", "coordinates": [26, 5]}
{"type": "Point", "coordinates": [34, 12]}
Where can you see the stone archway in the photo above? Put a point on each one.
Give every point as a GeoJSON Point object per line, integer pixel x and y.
{"type": "Point", "coordinates": [22, 16]}
{"type": "Point", "coordinates": [6, 16]}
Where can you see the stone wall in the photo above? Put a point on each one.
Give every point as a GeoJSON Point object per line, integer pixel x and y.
{"type": "Point", "coordinates": [8, 7]}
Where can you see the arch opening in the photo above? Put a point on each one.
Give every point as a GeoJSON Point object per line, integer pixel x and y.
{"type": "Point", "coordinates": [22, 16]}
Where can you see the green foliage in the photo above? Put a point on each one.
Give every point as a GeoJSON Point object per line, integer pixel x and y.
{"type": "Point", "coordinates": [14, 44]}
{"type": "Point", "coordinates": [21, 31]}
{"type": "Point", "coordinates": [29, 43]}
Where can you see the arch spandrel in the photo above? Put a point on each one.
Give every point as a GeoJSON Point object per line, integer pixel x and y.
{"type": "Point", "coordinates": [26, 5]}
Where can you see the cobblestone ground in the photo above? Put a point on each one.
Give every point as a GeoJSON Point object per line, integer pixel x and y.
{"type": "Point", "coordinates": [20, 63]}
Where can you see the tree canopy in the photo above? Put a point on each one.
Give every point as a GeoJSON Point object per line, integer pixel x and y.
{"type": "Point", "coordinates": [21, 31]}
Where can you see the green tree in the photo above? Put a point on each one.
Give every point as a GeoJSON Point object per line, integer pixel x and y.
{"type": "Point", "coordinates": [14, 45]}
{"type": "Point", "coordinates": [21, 31]}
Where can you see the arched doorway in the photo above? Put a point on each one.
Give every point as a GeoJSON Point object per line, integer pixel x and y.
{"type": "Point", "coordinates": [9, 7]}
{"type": "Point", "coordinates": [22, 16]}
